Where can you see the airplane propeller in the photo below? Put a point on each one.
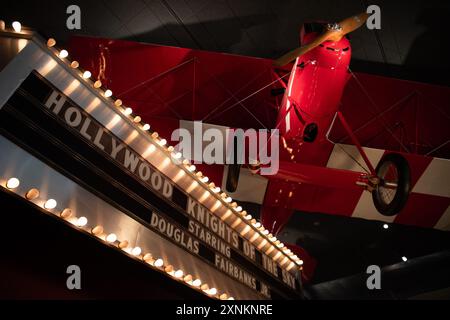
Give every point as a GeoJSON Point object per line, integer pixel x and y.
{"type": "Point", "coordinates": [334, 32]}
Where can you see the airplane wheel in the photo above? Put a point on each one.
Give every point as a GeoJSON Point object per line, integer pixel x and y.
{"type": "Point", "coordinates": [392, 192]}
{"type": "Point", "coordinates": [233, 177]}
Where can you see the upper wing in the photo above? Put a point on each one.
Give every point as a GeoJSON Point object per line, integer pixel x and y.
{"type": "Point", "coordinates": [180, 83]}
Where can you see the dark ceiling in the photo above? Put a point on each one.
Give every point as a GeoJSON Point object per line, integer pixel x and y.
{"type": "Point", "coordinates": [405, 47]}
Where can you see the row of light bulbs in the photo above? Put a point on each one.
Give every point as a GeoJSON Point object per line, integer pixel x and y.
{"type": "Point", "coordinates": [16, 26]}
{"type": "Point", "coordinates": [112, 239]}
{"type": "Point", "coordinates": [226, 200]}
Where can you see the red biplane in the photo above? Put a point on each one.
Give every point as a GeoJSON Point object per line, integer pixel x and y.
{"type": "Point", "coordinates": [307, 101]}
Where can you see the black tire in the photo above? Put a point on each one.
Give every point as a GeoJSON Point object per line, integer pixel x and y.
{"type": "Point", "coordinates": [233, 177]}
{"type": "Point", "coordinates": [392, 162]}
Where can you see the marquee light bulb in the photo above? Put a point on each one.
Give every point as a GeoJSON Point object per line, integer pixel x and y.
{"type": "Point", "coordinates": [63, 54]}
{"type": "Point", "coordinates": [179, 273]}
{"type": "Point", "coordinates": [169, 269]}
{"type": "Point", "coordinates": [123, 244]}
{"type": "Point", "coordinates": [97, 84]}
{"type": "Point", "coordinates": [159, 263]}
{"type": "Point", "coordinates": [188, 278]}
{"type": "Point", "coordinates": [192, 168]}
{"type": "Point", "coordinates": [108, 93]}
{"type": "Point", "coordinates": [82, 221]}
{"type": "Point", "coordinates": [87, 74]}
{"type": "Point", "coordinates": [111, 238]}
{"type": "Point", "coordinates": [128, 111]}
{"type": "Point", "coordinates": [238, 209]}
{"type": "Point", "coordinates": [204, 287]}
{"type": "Point", "coordinates": [74, 64]}
{"type": "Point", "coordinates": [197, 283]}
{"type": "Point", "coordinates": [50, 204]}
{"type": "Point", "coordinates": [17, 26]}
{"type": "Point", "coordinates": [32, 194]}
{"type": "Point", "coordinates": [205, 179]}
{"type": "Point", "coordinates": [146, 127]}
{"type": "Point", "coordinates": [216, 190]}
{"type": "Point", "coordinates": [118, 103]}
{"type": "Point", "coordinates": [230, 298]}
{"type": "Point", "coordinates": [98, 230]}
{"type": "Point", "coordinates": [385, 226]}
{"type": "Point", "coordinates": [257, 224]}
{"type": "Point", "coordinates": [212, 291]}
{"type": "Point", "coordinates": [177, 155]}
{"type": "Point", "coordinates": [162, 142]}
{"type": "Point", "coordinates": [136, 251]}
{"type": "Point", "coordinates": [51, 42]}
{"type": "Point", "coordinates": [228, 199]}
{"type": "Point", "coordinates": [148, 258]}
{"type": "Point", "coordinates": [137, 119]}
{"type": "Point", "coordinates": [404, 259]}
{"type": "Point", "coordinates": [12, 183]}
{"type": "Point", "coordinates": [66, 213]}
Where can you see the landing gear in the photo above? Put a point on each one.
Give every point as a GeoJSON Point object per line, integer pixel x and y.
{"type": "Point", "coordinates": [392, 190]}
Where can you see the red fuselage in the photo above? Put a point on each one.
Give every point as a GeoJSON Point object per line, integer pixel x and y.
{"type": "Point", "coordinates": [312, 97]}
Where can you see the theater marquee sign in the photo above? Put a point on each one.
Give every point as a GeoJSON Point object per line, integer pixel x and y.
{"type": "Point", "coordinates": [80, 146]}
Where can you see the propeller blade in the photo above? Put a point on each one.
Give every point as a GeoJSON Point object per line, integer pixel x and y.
{"type": "Point", "coordinates": [346, 26]}
{"type": "Point", "coordinates": [294, 54]}
{"type": "Point", "coordinates": [355, 22]}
